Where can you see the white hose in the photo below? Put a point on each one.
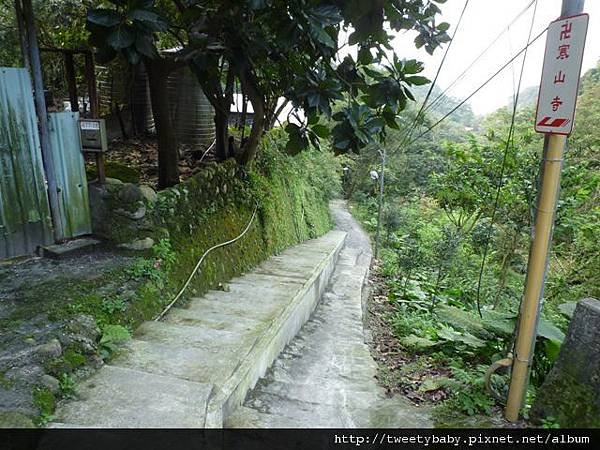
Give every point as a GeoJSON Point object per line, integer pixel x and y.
{"type": "Point", "coordinates": [214, 247]}
{"type": "Point", "coordinates": [207, 150]}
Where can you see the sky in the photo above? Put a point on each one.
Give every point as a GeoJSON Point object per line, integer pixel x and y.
{"type": "Point", "coordinates": [482, 22]}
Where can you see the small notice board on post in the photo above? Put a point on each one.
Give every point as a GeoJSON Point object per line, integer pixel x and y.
{"type": "Point", "coordinates": [560, 75]}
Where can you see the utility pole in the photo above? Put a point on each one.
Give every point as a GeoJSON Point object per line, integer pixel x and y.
{"type": "Point", "coordinates": [543, 228]}
{"type": "Point", "coordinates": [40, 104]}
{"type": "Point", "coordinates": [381, 189]}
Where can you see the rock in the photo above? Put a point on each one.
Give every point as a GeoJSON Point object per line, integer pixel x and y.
{"type": "Point", "coordinates": [51, 349]}
{"type": "Point", "coordinates": [84, 325]}
{"type": "Point", "coordinates": [571, 391]}
{"type": "Point", "coordinates": [138, 245]}
{"type": "Point", "coordinates": [80, 334]}
{"type": "Point", "coordinates": [96, 362]}
{"type": "Point", "coordinates": [112, 181]}
{"type": "Point", "coordinates": [148, 194]}
{"type": "Point", "coordinates": [49, 382]}
{"type": "Point", "coordinates": [130, 193]}
{"type": "Point", "coordinates": [133, 215]}
{"type": "Point", "coordinates": [26, 375]}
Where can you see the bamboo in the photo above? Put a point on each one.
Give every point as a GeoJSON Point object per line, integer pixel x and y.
{"type": "Point", "coordinates": [536, 271]}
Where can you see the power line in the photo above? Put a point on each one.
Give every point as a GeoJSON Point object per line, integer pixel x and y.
{"type": "Point", "coordinates": [441, 96]}
{"type": "Point", "coordinates": [478, 89]}
{"type": "Point", "coordinates": [421, 111]}
{"type": "Point", "coordinates": [509, 141]}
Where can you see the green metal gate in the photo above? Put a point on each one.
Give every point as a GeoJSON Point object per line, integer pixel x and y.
{"type": "Point", "coordinates": [70, 174]}
{"type": "Point", "coordinates": [25, 221]}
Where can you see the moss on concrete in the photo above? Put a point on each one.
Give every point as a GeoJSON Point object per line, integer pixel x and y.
{"type": "Point", "coordinates": [571, 403]}
{"type": "Point", "coordinates": [74, 358]}
{"type": "Point", "coordinates": [45, 401]}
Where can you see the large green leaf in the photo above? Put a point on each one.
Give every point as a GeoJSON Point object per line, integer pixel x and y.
{"type": "Point", "coordinates": [416, 342]}
{"type": "Point", "coordinates": [120, 38]}
{"type": "Point", "coordinates": [417, 80]}
{"type": "Point", "coordinates": [548, 330]}
{"type": "Point", "coordinates": [104, 17]}
{"type": "Point", "coordinates": [552, 349]}
{"type": "Point", "coordinates": [321, 130]}
{"type": "Point", "coordinates": [145, 46]}
{"type": "Point", "coordinates": [451, 335]}
{"type": "Point", "coordinates": [149, 19]}
{"type": "Point", "coordinates": [568, 308]}
{"type": "Point", "coordinates": [460, 319]}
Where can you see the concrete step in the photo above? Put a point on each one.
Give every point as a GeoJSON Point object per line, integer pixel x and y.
{"type": "Point", "coordinates": [211, 319]}
{"type": "Point", "coordinates": [116, 397]}
{"type": "Point", "coordinates": [219, 345]}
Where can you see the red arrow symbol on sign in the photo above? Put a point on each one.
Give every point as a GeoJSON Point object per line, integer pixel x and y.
{"type": "Point", "coordinates": [556, 123]}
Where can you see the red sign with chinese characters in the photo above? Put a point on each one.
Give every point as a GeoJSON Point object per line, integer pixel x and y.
{"type": "Point", "coordinates": [560, 75]}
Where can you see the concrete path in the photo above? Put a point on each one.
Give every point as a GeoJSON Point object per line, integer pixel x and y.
{"type": "Point", "coordinates": [326, 376]}
{"type": "Point", "coordinates": [196, 367]}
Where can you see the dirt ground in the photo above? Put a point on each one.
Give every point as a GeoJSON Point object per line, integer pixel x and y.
{"type": "Point", "coordinates": [136, 160]}
{"type": "Point", "coordinates": [403, 374]}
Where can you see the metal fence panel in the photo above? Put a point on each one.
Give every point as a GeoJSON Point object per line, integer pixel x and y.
{"type": "Point", "coordinates": [25, 221]}
{"type": "Point", "coordinates": [70, 174]}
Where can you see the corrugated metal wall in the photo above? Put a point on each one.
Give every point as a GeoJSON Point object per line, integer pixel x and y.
{"type": "Point", "coordinates": [25, 221]}
{"type": "Point", "coordinates": [70, 174]}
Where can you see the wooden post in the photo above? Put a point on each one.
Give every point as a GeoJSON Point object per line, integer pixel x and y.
{"type": "Point", "coordinates": [90, 76]}
{"type": "Point", "coordinates": [71, 81]}
{"type": "Point", "coordinates": [22, 35]}
{"type": "Point", "coordinates": [40, 104]}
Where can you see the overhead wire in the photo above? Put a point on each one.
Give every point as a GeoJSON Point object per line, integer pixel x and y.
{"type": "Point", "coordinates": [484, 84]}
{"type": "Point", "coordinates": [433, 83]}
{"type": "Point", "coordinates": [459, 78]}
{"type": "Point", "coordinates": [509, 145]}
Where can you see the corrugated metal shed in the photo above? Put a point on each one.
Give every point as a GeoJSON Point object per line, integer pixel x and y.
{"type": "Point", "coordinates": [25, 221]}
{"type": "Point", "coordinates": [70, 173]}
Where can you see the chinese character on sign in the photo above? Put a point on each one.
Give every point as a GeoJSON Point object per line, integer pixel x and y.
{"type": "Point", "coordinates": [563, 51]}
{"type": "Point", "coordinates": [563, 57]}
{"type": "Point", "coordinates": [556, 102]}
{"type": "Point", "coordinates": [566, 30]}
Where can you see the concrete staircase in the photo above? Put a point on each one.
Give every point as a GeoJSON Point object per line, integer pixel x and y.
{"type": "Point", "coordinates": [196, 367]}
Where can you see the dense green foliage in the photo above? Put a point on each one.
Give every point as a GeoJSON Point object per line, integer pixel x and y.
{"type": "Point", "coordinates": [441, 219]}
{"type": "Point", "coordinates": [279, 49]}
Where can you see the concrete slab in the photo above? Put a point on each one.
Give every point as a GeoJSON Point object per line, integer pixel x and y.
{"type": "Point", "coordinates": [116, 397]}
{"type": "Point", "coordinates": [211, 364]}
{"type": "Point", "coordinates": [214, 320]}
{"type": "Point", "coordinates": [69, 248]}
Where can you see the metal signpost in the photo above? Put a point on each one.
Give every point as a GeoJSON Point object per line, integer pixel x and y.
{"type": "Point", "coordinates": [555, 115]}
{"type": "Point", "coordinates": [560, 75]}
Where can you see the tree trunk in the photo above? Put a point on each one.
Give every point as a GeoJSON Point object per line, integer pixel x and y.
{"type": "Point", "coordinates": [222, 135]}
{"type": "Point", "coordinates": [168, 149]}
{"type": "Point", "coordinates": [250, 149]}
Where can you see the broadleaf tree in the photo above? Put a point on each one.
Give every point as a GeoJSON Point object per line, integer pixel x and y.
{"type": "Point", "coordinates": [281, 52]}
